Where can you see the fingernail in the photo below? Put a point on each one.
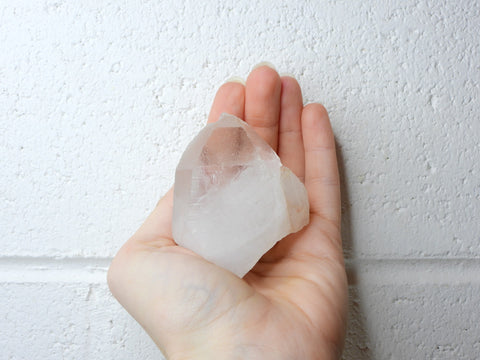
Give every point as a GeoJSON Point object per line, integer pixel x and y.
{"type": "Point", "coordinates": [264, 63]}
{"type": "Point", "coordinates": [287, 74]}
{"type": "Point", "coordinates": [236, 79]}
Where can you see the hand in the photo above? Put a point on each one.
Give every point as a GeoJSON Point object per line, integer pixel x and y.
{"type": "Point", "coordinates": [292, 304]}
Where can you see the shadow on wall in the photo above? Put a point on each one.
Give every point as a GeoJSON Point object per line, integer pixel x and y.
{"type": "Point", "coordinates": [357, 342]}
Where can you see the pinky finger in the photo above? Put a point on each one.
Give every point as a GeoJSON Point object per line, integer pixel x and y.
{"type": "Point", "coordinates": [321, 169]}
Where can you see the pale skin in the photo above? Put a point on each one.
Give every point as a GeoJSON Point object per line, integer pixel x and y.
{"type": "Point", "coordinates": [293, 303]}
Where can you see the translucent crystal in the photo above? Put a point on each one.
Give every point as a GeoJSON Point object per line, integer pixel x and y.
{"type": "Point", "coordinates": [233, 199]}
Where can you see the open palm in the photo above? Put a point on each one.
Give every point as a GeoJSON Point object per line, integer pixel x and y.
{"type": "Point", "coordinates": [292, 304]}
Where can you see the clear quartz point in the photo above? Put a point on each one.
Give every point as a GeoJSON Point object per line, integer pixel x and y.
{"type": "Point", "coordinates": [233, 199]}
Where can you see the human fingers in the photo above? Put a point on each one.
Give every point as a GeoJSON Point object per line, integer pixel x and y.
{"type": "Point", "coordinates": [321, 168]}
{"type": "Point", "coordinates": [290, 141]}
{"type": "Point", "coordinates": [230, 98]}
{"type": "Point", "coordinates": [262, 102]}
{"type": "Point", "coordinates": [156, 231]}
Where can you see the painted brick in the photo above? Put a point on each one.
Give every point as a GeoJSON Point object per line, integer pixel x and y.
{"type": "Point", "coordinates": [68, 321]}
{"type": "Point", "coordinates": [387, 321]}
{"type": "Point", "coordinates": [98, 101]}
{"type": "Point", "coordinates": [431, 321]}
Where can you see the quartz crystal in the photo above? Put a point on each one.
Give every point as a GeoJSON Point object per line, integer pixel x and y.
{"type": "Point", "coordinates": [233, 199]}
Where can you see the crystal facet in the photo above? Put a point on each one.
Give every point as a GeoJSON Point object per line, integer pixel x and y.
{"type": "Point", "coordinates": [233, 199]}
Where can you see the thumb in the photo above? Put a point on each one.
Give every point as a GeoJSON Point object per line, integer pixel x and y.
{"type": "Point", "coordinates": [156, 231]}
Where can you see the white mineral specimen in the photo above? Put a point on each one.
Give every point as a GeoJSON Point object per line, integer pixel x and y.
{"type": "Point", "coordinates": [233, 199]}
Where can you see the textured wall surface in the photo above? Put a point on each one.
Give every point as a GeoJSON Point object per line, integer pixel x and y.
{"type": "Point", "coordinates": [98, 99]}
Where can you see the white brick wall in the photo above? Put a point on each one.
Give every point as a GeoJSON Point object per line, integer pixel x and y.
{"type": "Point", "coordinates": [99, 98]}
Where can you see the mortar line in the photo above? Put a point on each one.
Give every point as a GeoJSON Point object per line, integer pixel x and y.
{"type": "Point", "coordinates": [72, 261]}
{"type": "Point", "coordinates": [91, 269]}
{"type": "Point", "coordinates": [87, 260]}
{"type": "Point", "coordinates": [101, 261]}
